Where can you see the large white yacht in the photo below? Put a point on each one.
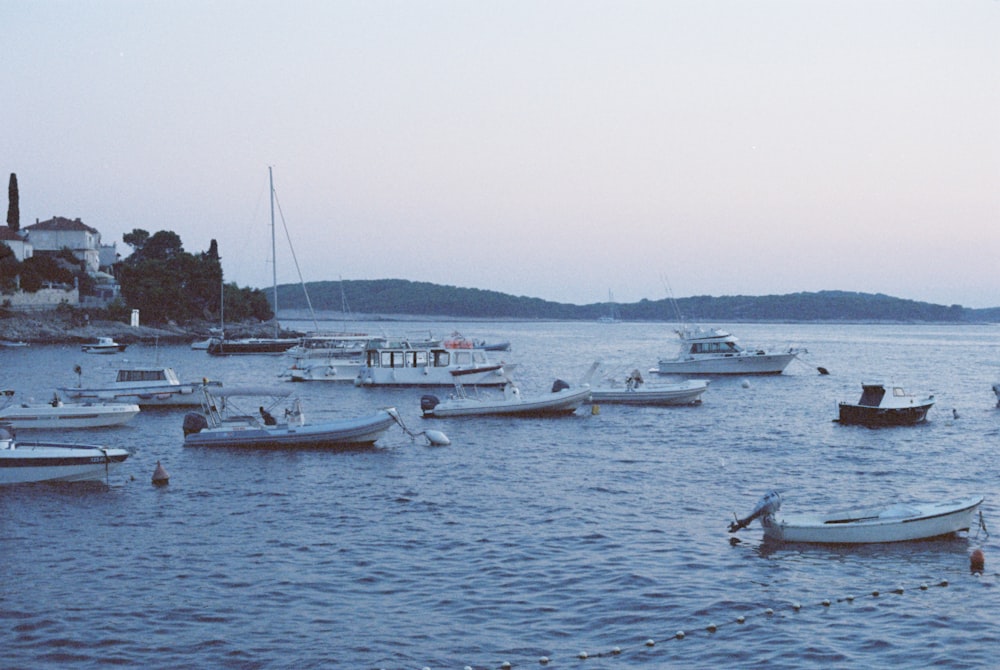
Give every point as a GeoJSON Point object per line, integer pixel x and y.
{"type": "Point", "coordinates": [716, 352]}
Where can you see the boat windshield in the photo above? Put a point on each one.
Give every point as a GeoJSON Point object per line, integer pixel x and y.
{"type": "Point", "coordinates": [141, 376]}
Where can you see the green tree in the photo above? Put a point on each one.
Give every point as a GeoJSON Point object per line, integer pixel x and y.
{"type": "Point", "coordinates": [13, 206]}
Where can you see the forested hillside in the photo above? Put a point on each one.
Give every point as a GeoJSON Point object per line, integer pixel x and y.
{"type": "Point", "coordinates": [399, 296]}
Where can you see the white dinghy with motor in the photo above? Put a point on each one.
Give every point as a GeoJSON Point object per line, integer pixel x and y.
{"type": "Point", "coordinates": [562, 400]}
{"type": "Point", "coordinates": [896, 522]}
{"type": "Point", "coordinates": [635, 390]}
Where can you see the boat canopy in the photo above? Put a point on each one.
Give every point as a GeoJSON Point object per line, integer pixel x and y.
{"type": "Point", "coordinates": [872, 395]}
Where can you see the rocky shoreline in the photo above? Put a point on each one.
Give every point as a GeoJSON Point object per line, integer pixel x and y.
{"type": "Point", "coordinates": [56, 327]}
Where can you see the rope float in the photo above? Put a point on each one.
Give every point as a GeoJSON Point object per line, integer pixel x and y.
{"type": "Point", "coordinates": [712, 627]}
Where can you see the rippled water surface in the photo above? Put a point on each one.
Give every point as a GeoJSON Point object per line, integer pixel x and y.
{"type": "Point", "coordinates": [526, 537]}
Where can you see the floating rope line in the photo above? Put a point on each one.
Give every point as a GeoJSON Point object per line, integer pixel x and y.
{"type": "Point", "coordinates": [711, 628]}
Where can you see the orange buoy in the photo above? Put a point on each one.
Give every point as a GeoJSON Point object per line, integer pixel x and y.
{"type": "Point", "coordinates": [977, 561]}
{"type": "Point", "coordinates": [160, 476]}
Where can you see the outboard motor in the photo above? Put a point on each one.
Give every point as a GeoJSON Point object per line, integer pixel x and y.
{"type": "Point", "coordinates": [428, 403]}
{"type": "Point", "coordinates": [769, 504]}
{"type": "Point", "coordinates": [194, 423]}
{"type": "Point", "coordinates": [559, 385]}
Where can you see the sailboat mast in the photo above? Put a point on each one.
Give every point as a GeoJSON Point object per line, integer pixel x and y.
{"type": "Point", "coordinates": [274, 260]}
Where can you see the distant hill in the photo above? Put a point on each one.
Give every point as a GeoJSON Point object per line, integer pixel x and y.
{"type": "Point", "coordinates": [400, 296]}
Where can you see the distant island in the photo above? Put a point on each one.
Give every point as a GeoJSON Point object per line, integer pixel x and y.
{"type": "Point", "coordinates": [408, 298]}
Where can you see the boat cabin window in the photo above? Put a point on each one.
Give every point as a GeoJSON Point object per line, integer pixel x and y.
{"type": "Point", "coordinates": [392, 359]}
{"type": "Point", "coordinates": [441, 359]}
{"type": "Point", "coordinates": [463, 357]}
{"type": "Point", "coordinates": [141, 376]}
{"type": "Point", "coordinates": [714, 348]}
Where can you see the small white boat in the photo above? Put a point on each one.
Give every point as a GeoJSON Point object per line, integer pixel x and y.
{"type": "Point", "coordinates": [635, 390]}
{"type": "Point", "coordinates": [405, 363]}
{"type": "Point", "coordinates": [143, 386]}
{"type": "Point", "coordinates": [104, 345]}
{"type": "Point", "coordinates": [562, 400]}
{"type": "Point", "coordinates": [897, 522]}
{"type": "Point", "coordinates": [243, 418]}
{"type": "Point", "coordinates": [57, 414]}
{"type": "Point", "coordinates": [25, 462]}
{"type": "Point", "coordinates": [716, 352]}
{"type": "Point", "coordinates": [880, 407]}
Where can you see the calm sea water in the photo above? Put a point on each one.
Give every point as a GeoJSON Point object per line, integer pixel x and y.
{"type": "Point", "coordinates": [526, 537]}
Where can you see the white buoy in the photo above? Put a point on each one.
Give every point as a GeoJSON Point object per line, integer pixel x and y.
{"type": "Point", "coordinates": [437, 438]}
{"type": "Point", "coordinates": [745, 383]}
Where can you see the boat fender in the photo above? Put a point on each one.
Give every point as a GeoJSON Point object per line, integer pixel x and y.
{"type": "Point", "coordinates": [194, 423]}
{"type": "Point", "coordinates": [559, 385]}
{"type": "Point", "coordinates": [428, 403]}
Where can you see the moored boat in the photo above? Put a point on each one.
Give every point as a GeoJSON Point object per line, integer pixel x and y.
{"type": "Point", "coordinates": [895, 522]}
{"type": "Point", "coordinates": [57, 414]}
{"type": "Point", "coordinates": [717, 352]}
{"type": "Point", "coordinates": [143, 386]}
{"type": "Point", "coordinates": [885, 406]}
{"type": "Point", "coordinates": [104, 345]}
{"type": "Point", "coordinates": [26, 462]}
{"type": "Point", "coordinates": [635, 390]}
{"type": "Point", "coordinates": [562, 400]}
{"type": "Point", "coordinates": [404, 363]}
{"type": "Point", "coordinates": [335, 357]}
{"type": "Point", "coordinates": [229, 418]}
{"type": "Point", "coordinates": [251, 345]}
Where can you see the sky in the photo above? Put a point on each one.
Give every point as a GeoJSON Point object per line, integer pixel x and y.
{"type": "Point", "coordinates": [561, 149]}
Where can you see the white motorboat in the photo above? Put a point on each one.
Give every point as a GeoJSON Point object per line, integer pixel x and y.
{"type": "Point", "coordinates": [404, 363]}
{"type": "Point", "coordinates": [104, 345]}
{"type": "Point", "coordinates": [327, 357]}
{"type": "Point", "coordinates": [243, 418]}
{"type": "Point", "coordinates": [25, 462]}
{"type": "Point", "coordinates": [57, 414]}
{"type": "Point", "coordinates": [632, 389]}
{"type": "Point", "coordinates": [716, 352]}
{"type": "Point", "coordinates": [896, 522]}
{"type": "Point", "coordinates": [143, 386]}
{"type": "Point", "coordinates": [562, 400]}
{"type": "Point", "coordinates": [880, 407]}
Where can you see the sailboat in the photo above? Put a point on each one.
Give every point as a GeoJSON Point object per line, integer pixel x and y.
{"type": "Point", "coordinates": [613, 315]}
{"type": "Point", "coordinates": [257, 345]}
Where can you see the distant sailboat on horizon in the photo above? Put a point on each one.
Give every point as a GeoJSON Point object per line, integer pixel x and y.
{"type": "Point", "coordinates": [613, 315]}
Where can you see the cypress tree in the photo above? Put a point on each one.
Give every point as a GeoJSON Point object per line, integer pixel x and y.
{"type": "Point", "coordinates": [13, 208]}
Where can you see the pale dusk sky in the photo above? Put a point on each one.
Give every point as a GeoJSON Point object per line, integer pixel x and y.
{"type": "Point", "coordinates": [554, 149]}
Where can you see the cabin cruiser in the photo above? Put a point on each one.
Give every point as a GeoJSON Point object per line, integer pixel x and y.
{"type": "Point", "coordinates": [104, 345]}
{"type": "Point", "coordinates": [404, 363]}
{"type": "Point", "coordinates": [146, 387]}
{"type": "Point", "coordinates": [716, 352]}
{"type": "Point", "coordinates": [885, 406]}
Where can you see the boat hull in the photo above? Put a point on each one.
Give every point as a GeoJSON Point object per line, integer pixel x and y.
{"type": "Point", "coordinates": [50, 462]}
{"type": "Point", "coordinates": [184, 395]}
{"type": "Point", "coordinates": [325, 372]}
{"type": "Point", "coordinates": [688, 393]}
{"type": "Point", "coordinates": [346, 432]}
{"type": "Point", "coordinates": [251, 346]}
{"type": "Point", "coordinates": [565, 401]}
{"type": "Point", "coordinates": [84, 415]}
{"type": "Point", "coordinates": [897, 523]}
{"type": "Point", "coordinates": [491, 375]}
{"type": "Point", "coordinates": [863, 415]}
{"type": "Point", "coordinates": [736, 364]}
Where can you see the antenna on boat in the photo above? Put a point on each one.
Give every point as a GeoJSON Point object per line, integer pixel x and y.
{"type": "Point", "coordinates": [670, 296]}
{"type": "Point", "coordinates": [298, 270]}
